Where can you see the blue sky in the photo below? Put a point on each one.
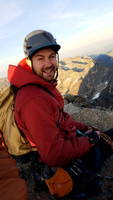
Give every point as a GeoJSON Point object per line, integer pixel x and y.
{"type": "Point", "coordinates": [81, 27]}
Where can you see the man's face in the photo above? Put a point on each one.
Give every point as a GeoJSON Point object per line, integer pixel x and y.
{"type": "Point", "coordinates": [45, 64]}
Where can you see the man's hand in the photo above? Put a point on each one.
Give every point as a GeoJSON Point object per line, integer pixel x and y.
{"type": "Point", "coordinates": [90, 129]}
{"type": "Point", "coordinates": [93, 136]}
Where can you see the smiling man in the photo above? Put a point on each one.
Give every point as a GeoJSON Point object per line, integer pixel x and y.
{"type": "Point", "coordinates": [56, 138]}
{"type": "Point", "coordinates": [45, 64]}
{"type": "Point", "coordinates": [39, 106]}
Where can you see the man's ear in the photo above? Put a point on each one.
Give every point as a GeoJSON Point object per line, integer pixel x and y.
{"type": "Point", "coordinates": [28, 61]}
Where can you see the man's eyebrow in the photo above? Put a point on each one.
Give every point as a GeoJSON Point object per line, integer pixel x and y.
{"type": "Point", "coordinates": [39, 55]}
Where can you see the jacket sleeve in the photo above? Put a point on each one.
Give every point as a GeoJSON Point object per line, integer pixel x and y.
{"type": "Point", "coordinates": [54, 146]}
{"type": "Point", "coordinates": [81, 126]}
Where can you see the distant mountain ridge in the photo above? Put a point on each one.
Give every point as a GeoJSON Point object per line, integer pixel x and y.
{"type": "Point", "coordinates": [87, 81]}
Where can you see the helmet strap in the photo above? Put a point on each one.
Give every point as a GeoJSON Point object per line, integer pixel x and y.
{"type": "Point", "coordinates": [32, 68]}
{"type": "Point", "coordinates": [56, 75]}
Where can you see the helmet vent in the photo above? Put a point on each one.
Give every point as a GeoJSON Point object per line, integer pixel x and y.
{"type": "Point", "coordinates": [48, 36]}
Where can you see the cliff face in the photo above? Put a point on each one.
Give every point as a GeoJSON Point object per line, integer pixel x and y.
{"type": "Point", "coordinates": [101, 119]}
{"type": "Point", "coordinates": [72, 72]}
{"type": "Point", "coordinates": [91, 79]}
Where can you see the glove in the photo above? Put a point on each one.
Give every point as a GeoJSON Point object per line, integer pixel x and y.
{"type": "Point", "coordinates": [93, 137]}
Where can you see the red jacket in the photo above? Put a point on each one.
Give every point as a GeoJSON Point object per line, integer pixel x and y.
{"type": "Point", "coordinates": [39, 114]}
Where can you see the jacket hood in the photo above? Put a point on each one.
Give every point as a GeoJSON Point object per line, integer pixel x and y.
{"type": "Point", "coordinates": [22, 74]}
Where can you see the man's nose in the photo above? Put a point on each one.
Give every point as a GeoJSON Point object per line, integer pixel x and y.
{"type": "Point", "coordinates": [48, 62]}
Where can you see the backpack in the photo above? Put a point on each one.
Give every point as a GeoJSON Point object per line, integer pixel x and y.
{"type": "Point", "coordinates": [14, 140]}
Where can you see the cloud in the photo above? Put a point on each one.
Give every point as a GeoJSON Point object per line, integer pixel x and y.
{"type": "Point", "coordinates": [102, 22]}
{"type": "Point", "coordinates": [98, 29]}
{"type": "Point", "coordinates": [61, 10]}
{"type": "Point", "coordinates": [4, 62]}
{"type": "Point", "coordinates": [95, 47]}
{"type": "Point", "coordinates": [8, 60]}
{"type": "Point", "coordinates": [97, 37]}
{"type": "Point", "coordinates": [9, 11]}
{"type": "Point", "coordinates": [67, 15]}
{"type": "Point", "coordinates": [60, 5]}
{"type": "Point", "coordinates": [87, 38]}
{"type": "Point", "coordinates": [3, 35]}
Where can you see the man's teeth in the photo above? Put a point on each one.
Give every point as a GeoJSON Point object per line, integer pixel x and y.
{"type": "Point", "coordinates": [48, 70]}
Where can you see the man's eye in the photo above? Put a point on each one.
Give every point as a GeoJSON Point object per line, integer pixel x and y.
{"type": "Point", "coordinates": [40, 59]}
{"type": "Point", "coordinates": [53, 56]}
